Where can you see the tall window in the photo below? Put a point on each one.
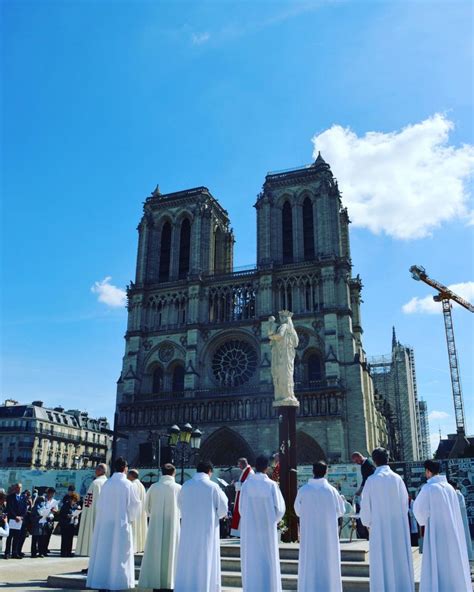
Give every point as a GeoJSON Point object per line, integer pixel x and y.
{"type": "Point", "coordinates": [165, 253]}
{"type": "Point", "coordinates": [287, 233]}
{"type": "Point", "coordinates": [178, 379]}
{"type": "Point", "coordinates": [315, 369]}
{"type": "Point", "coordinates": [157, 380]}
{"type": "Point", "coordinates": [308, 229]}
{"type": "Point", "coordinates": [184, 247]}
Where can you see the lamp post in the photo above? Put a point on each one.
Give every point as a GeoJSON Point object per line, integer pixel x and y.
{"type": "Point", "coordinates": [185, 442]}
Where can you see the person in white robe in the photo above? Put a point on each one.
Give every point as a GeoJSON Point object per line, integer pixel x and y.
{"type": "Point", "coordinates": [444, 566]}
{"type": "Point", "coordinates": [465, 521]}
{"type": "Point", "coordinates": [89, 511]}
{"type": "Point", "coordinates": [202, 504]}
{"type": "Point", "coordinates": [384, 511]}
{"type": "Point", "coordinates": [112, 563]}
{"type": "Point", "coordinates": [159, 561]}
{"type": "Point", "coordinates": [261, 508]}
{"type": "Point", "coordinates": [319, 505]}
{"type": "Point", "coordinates": [140, 525]}
{"type": "Point", "coordinates": [345, 530]}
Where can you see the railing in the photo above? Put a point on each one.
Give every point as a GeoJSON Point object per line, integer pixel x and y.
{"type": "Point", "coordinates": [334, 385]}
{"type": "Point", "coordinates": [225, 409]}
{"type": "Point", "coordinates": [294, 170]}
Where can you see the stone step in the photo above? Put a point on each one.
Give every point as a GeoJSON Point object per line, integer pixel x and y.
{"type": "Point", "coordinates": [349, 551]}
{"type": "Point", "coordinates": [290, 566]}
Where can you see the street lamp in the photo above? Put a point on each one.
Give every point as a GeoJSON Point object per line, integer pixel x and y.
{"type": "Point", "coordinates": [185, 442]}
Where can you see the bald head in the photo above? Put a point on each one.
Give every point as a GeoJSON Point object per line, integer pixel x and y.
{"type": "Point", "coordinates": [100, 470]}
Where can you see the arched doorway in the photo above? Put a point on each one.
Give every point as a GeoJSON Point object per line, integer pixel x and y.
{"type": "Point", "coordinates": [308, 451]}
{"type": "Point", "coordinates": [224, 447]}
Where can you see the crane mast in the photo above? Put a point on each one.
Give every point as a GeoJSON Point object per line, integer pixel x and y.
{"type": "Point", "coordinates": [445, 295]}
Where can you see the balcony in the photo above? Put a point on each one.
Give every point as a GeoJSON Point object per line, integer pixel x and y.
{"type": "Point", "coordinates": [301, 388]}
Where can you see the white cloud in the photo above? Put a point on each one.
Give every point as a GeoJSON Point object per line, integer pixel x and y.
{"type": "Point", "coordinates": [428, 305]}
{"type": "Point", "coordinates": [403, 183]}
{"type": "Point", "coordinates": [109, 294]}
{"type": "Point", "coordinates": [437, 415]}
{"type": "Point", "coordinates": [199, 38]}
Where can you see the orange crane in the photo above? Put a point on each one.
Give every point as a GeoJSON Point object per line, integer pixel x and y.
{"type": "Point", "coordinates": [445, 295]}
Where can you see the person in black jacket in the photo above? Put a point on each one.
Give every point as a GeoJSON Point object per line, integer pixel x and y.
{"type": "Point", "coordinates": [38, 528]}
{"type": "Point", "coordinates": [17, 509]}
{"type": "Point", "coordinates": [367, 468]}
{"type": "Point", "coordinates": [69, 522]}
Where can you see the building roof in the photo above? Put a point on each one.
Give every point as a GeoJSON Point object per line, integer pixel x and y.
{"type": "Point", "coordinates": [35, 410]}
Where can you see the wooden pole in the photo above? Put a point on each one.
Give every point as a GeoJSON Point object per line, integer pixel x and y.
{"type": "Point", "coordinates": [288, 468]}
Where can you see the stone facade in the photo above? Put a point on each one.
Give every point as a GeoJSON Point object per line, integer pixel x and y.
{"type": "Point", "coordinates": [196, 344]}
{"type": "Point", "coordinates": [33, 436]}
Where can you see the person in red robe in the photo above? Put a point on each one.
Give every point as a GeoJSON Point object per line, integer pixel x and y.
{"type": "Point", "coordinates": [247, 470]}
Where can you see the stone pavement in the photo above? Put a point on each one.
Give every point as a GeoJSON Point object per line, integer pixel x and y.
{"type": "Point", "coordinates": [30, 575]}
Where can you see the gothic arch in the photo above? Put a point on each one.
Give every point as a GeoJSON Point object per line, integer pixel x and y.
{"type": "Point", "coordinates": [166, 239]}
{"type": "Point", "coordinates": [184, 247]}
{"type": "Point", "coordinates": [308, 229]}
{"type": "Point", "coordinates": [308, 451]}
{"type": "Point", "coordinates": [224, 446]}
{"type": "Point", "coordinates": [313, 363]}
{"type": "Point", "coordinates": [287, 232]}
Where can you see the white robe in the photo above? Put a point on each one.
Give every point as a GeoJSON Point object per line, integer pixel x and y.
{"type": "Point", "coordinates": [112, 564]}
{"type": "Point", "coordinates": [319, 505]}
{"type": "Point", "coordinates": [261, 508]}
{"type": "Point", "coordinates": [202, 504]}
{"type": "Point", "coordinates": [384, 509]}
{"type": "Point", "coordinates": [465, 523]}
{"type": "Point", "coordinates": [140, 525]}
{"type": "Point", "coordinates": [159, 561]}
{"type": "Point", "coordinates": [88, 516]}
{"type": "Point", "coordinates": [444, 566]}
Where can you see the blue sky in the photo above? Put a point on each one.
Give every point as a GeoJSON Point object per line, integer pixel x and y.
{"type": "Point", "coordinates": [103, 100]}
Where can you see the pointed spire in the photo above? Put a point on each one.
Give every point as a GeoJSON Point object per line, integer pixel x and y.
{"type": "Point", "coordinates": [394, 338]}
{"type": "Point", "coordinates": [156, 192]}
{"type": "Point", "coordinates": [320, 163]}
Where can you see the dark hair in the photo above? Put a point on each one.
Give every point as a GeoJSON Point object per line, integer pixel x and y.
{"type": "Point", "coordinates": [380, 456]}
{"type": "Point", "coordinates": [320, 468]}
{"type": "Point", "coordinates": [261, 463]}
{"type": "Point", "coordinates": [71, 488]}
{"type": "Point", "coordinates": [433, 466]}
{"type": "Point", "coordinates": [50, 490]}
{"type": "Point", "coordinates": [39, 500]}
{"type": "Point", "coordinates": [168, 469]}
{"type": "Point", "coordinates": [120, 464]}
{"type": "Point", "coordinates": [204, 466]}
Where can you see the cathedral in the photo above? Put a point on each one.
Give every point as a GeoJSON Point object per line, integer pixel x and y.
{"type": "Point", "coordinates": [197, 349]}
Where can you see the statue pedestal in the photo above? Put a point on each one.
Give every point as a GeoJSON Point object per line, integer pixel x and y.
{"type": "Point", "coordinates": [288, 468]}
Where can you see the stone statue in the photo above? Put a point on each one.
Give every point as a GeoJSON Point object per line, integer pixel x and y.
{"type": "Point", "coordinates": [283, 341]}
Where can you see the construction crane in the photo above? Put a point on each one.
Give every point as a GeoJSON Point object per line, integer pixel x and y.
{"type": "Point", "coordinates": [445, 295]}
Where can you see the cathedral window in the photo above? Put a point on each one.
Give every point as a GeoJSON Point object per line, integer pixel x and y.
{"type": "Point", "coordinates": [165, 253]}
{"type": "Point", "coordinates": [178, 379]}
{"type": "Point", "coordinates": [157, 380]}
{"type": "Point", "coordinates": [314, 368]}
{"type": "Point", "coordinates": [287, 232]}
{"type": "Point", "coordinates": [234, 363]}
{"type": "Point", "coordinates": [184, 248]}
{"type": "Point", "coordinates": [308, 230]}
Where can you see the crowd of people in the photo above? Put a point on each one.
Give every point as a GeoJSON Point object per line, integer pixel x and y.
{"type": "Point", "coordinates": [26, 513]}
{"type": "Point", "coordinates": [182, 547]}
{"type": "Point", "coordinates": [178, 529]}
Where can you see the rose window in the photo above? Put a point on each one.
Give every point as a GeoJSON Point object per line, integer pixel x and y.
{"type": "Point", "coordinates": [234, 363]}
